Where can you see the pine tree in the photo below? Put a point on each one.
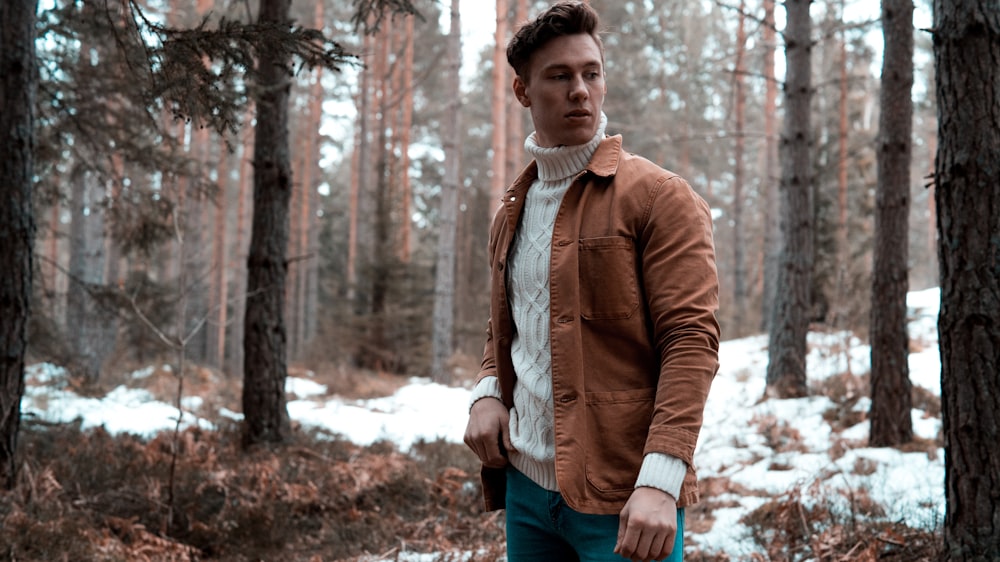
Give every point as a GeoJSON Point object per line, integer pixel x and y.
{"type": "Point", "coordinates": [17, 227]}
{"type": "Point", "coordinates": [789, 326]}
{"type": "Point", "coordinates": [265, 340]}
{"type": "Point", "coordinates": [967, 193]}
{"type": "Point", "coordinates": [444, 282]}
{"type": "Point", "coordinates": [891, 422]}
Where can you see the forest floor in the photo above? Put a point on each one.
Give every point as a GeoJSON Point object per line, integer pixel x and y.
{"type": "Point", "coordinates": [782, 481]}
{"type": "Point", "coordinates": [90, 495]}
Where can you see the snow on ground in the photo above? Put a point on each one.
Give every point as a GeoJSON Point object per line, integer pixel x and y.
{"type": "Point", "coordinates": [734, 441]}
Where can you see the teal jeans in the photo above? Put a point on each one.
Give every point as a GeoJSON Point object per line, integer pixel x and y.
{"type": "Point", "coordinates": [542, 528]}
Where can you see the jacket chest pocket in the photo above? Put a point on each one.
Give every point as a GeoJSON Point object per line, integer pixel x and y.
{"type": "Point", "coordinates": [609, 288]}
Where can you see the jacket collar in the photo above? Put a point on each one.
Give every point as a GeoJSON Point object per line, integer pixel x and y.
{"type": "Point", "coordinates": [603, 163]}
{"type": "Point", "coordinates": [606, 158]}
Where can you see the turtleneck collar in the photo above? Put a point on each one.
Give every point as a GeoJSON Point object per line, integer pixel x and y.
{"type": "Point", "coordinates": [561, 162]}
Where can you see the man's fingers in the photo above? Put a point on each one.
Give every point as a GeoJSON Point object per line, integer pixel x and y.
{"type": "Point", "coordinates": [661, 546]}
{"type": "Point", "coordinates": [644, 550]}
{"type": "Point", "coordinates": [647, 526]}
{"type": "Point", "coordinates": [487, 430]}
{"type": "Point", "coordinates": [505, 437]}
{"type": "Point", "coordinates": [628, 537]}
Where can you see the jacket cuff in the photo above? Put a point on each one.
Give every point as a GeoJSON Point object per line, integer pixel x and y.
{"type": "Point", "coordinates": [487, 387]}
{"type": "Point", "coordinates": [662, 472]}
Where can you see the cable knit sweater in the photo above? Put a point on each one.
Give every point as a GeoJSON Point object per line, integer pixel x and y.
{"type": "Point", "coordinates": [531, 418]}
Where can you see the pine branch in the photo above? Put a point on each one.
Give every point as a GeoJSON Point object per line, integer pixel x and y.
{"type": "Point", "coordinates": [369, 14]}
{"type": "Point", "coordinates": [204, 74]}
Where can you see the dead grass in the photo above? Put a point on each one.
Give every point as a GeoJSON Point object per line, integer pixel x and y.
{"type": "Point", "coordinates": [87, 495]}
{"type": "Point", "coordinates": [778, 434]}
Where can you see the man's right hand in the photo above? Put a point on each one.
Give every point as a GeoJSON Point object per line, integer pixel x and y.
{"type": "Point", "coordinates": [488, 432]}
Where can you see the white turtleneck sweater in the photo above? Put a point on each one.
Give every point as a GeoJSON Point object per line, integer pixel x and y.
{"type": "Point", "coordinates": [531, 418]}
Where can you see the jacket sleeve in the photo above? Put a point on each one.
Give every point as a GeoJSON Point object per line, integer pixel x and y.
{"type": "Point", "coordinates": [682, 292]}
{"type": "Point", "coordinates": [488, 366]}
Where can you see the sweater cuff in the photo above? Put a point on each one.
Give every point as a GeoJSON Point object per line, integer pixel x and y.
{"type": "Point", "coordinates": [662, 472]}
{"type": "Point", "coordinates": [487, 387]}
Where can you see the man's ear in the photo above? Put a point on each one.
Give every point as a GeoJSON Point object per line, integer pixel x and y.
{"type": "Point", "coordinates": [520, 91]}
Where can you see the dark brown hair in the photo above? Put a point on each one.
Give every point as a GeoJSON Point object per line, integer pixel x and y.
{"type": "Point", "coordinates": [561, 19]}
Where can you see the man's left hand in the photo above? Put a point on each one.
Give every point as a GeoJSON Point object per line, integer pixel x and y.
{"type": "Point", "coordinates": [648, 525]}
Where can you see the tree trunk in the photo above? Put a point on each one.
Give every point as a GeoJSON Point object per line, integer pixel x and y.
{"type": "Point", "coordinates": [17, 228]}
{"type": "Point", "coordinates": [265, 370]}
{"type": "Point", "coordinates": [360, 233]}
{"type": "Point", "coordinates": [86, 271]}
{"type": "Point", "coordinates": [891, 423]}
{"type": "Point", "coordinates": [739, 231]}
{"type": "Point", "coordinates": [297, 154]}
{"type": "Point", "coordinates": [967, 193]}
{"type": "Point", "coordinates": [772, 229]}
{"type": "Point", "coordinates": [444, 281]}
{"type": "Point", "coordinates": [196, 224]}
{"type": "Point", "coordinates": [406, 242]}
{"type": "Point", "coordinates": [308, 205]}
{"type": "Point", "coordinates": [515, 113]}
{"type": "Point", "coordinates": [52, 276]}
{"type": "Point", "coordinates": [375, 349]}
{"type": "Point", "coordinates": [236, 335]}
{"type": "Point", "coordinates": [786, 369]}
{"type": "Point", "coordinates": [220, 265]}
{"type": "Point", "coordinates": [843, 279]}
{"type": "Point", "coordinates": [500, 107]}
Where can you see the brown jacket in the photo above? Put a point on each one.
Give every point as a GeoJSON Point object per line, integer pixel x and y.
{"type": "Point", "coordinates": [634, 335]}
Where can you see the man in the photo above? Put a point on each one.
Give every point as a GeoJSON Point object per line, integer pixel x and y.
{"type": "Point", "coordinates": [602, 339]}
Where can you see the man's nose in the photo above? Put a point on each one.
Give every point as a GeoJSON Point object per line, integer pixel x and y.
{"type": "Point", "coordinates": [578, 88]}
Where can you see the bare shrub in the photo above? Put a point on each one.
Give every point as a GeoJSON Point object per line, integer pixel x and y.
{"type": "Point", "coordinates": [812, 524]}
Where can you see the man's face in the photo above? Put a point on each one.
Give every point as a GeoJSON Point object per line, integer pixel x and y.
{"type": "Point", "coordinates": [564, 90]}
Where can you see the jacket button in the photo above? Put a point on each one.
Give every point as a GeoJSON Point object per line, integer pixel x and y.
{"type": "Point", "coordinates": [500, 266]}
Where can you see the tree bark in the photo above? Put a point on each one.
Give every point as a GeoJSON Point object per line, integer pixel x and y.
{"type": "Point", "coordinates": [843, 289]}
{"type": "Point", "coordinates": [240, 248]}
{"type": "Point", "coordinates": [375, 346]}
{"type": "Point", "coordinates": [406, 241]}
{"type": "Point", "coordinates": [220, 265]}
{"type": "Point", "coordinates": [195, 225]}
{"type": "Point", "coordinates": [515, 113]}
{"type": "Point", "coordinates": [297, 154]}
{"type": "Point", "coordinates": [18, 82]}
{"type": "Point", "coordinates": [891, 423]}
{"type": "Point", "coordinates": [307, 234]}
{"type": "Point", "coordinates": [772, 229]}
{"type": "Point", "coordinates": [444, 281]}
{"type": "Point", "coordinates": [967, 193]}
{"type": "Point", "coordinates": [86, 272]}
{"type": "Point", "coordinates": [265, 370]}
{"type": "Point", "coordinates": [360, 233]}
{"type": "Point", "coordinates": [786, 369]}
{"type": "Point", "coordinates": [739, 231]}
{"type": "Point", "coordinates": [500, 108]}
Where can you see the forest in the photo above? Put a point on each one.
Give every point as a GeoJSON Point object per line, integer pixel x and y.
{"type": "Point", "coordinates": [244, 190]}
